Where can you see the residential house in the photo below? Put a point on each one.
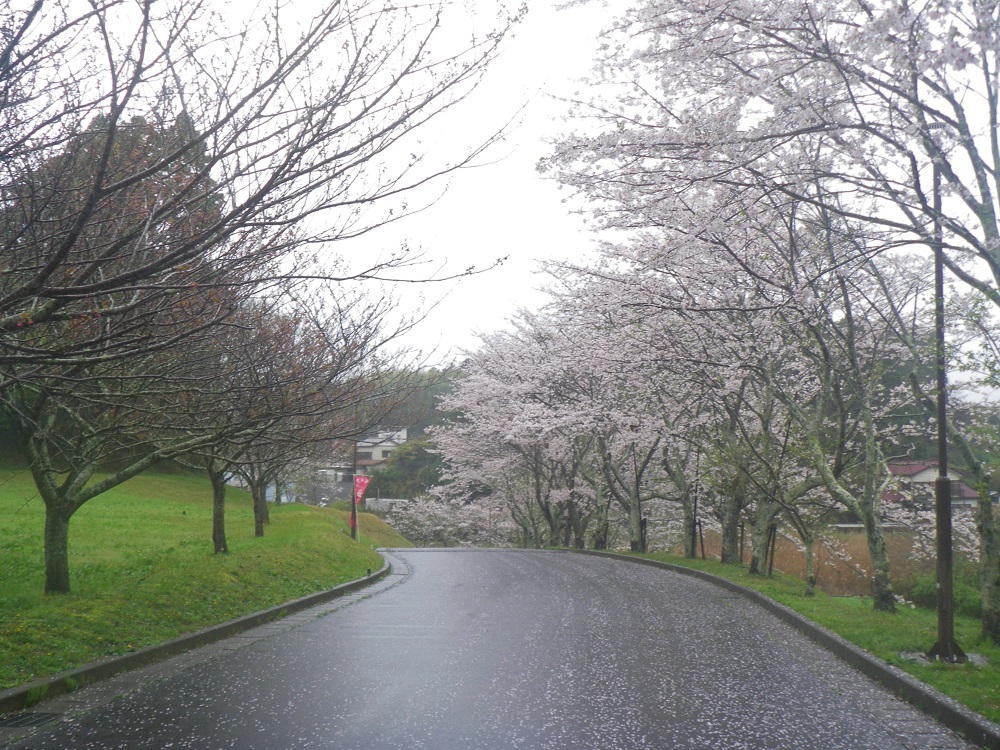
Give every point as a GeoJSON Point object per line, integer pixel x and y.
{"type": "Point", "coordinates": [371, 453]}
{"type": "Point", "coordinates": [915, 486]}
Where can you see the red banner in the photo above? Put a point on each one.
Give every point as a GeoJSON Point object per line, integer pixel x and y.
{"type": "Point", "coordinates": [360, 485]}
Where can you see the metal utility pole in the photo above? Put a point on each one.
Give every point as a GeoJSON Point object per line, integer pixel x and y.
{"type": "Point", "coordinates": [354, 495]}
{"type": "Point", "coordinates": [694, 509]}
{"type": "Point", "coordinates": [946, 649]}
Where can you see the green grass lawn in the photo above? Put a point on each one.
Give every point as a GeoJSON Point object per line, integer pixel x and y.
{"type": "Point", "coordinates": [143, 571]}
{"type": "Point", "coordinates": [882, 634]}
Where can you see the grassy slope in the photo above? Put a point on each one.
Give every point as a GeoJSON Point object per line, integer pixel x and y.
{"type": "Point", "coordinates": [884, 635]}
{"type": "Point", "coordinates": [142, 568]}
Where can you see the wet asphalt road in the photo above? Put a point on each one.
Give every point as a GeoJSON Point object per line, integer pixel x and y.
{"type": "Point", "coordinates": [511, 649]}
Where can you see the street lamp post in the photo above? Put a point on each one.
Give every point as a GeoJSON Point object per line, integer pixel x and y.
{"type": "Point", "coordinates": [354, 493]}
{"type": "Point", "coordinates": [946, 649]}
{"type": "Point", "coordinates": [694, 508]}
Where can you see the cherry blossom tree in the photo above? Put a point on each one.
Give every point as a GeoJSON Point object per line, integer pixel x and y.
{"type": "Point", "coordinates": [845, 106]}
{"type": "Point", "coordinates": [776, 313]}
{"type": "Point", "coordinates": [883, 114]}
{"type": "Point", "coordinates": [439, 523]}
{"type": "Point", "coordinates": [508, 399]}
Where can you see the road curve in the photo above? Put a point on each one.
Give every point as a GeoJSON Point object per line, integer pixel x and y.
{"type": "Point", "coordinates": [503, 649]}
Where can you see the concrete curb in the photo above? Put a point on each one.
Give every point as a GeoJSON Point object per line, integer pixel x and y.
{"type": "Point", "coordinates": [17, 698]}
{"type": "Point", "coordinates": [952, 714]}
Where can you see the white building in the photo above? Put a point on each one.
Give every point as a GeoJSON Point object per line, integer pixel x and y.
{"type": "Point", "coordinates": [372, 452]}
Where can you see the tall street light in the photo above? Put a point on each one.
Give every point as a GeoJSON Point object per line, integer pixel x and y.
{"type": "Point", "coordinates": [354, 495]}
{"type": "Point", "coordinates": [946, 649]}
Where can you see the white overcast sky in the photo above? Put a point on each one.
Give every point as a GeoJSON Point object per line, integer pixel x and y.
{"type": "Point", "coordinates": [503, 208]}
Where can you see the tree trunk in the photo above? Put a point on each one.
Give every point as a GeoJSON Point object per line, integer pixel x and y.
{"type": "Point", "coordinates": [810, 553]}
{"type": "Point", "coordinates": [989, 564]}
{"type": "Point", "coordinates": [690, 532]}
{"type": "Point", "coordinates": [759, 536]}
{"type": "Point", "coordinates": [688, 499]}
{"type": "Point", "coordinates": [989, 539]}
{"type": "Point", "coordinates": [758, 551]}
{"type": "Point", "coordinates": [265, 512]}
{"type": "Point", "coordinates": [56, 550]}
{"type": "Point", "coordinates": [218, 479]}
{"type": "Point", "coordinates": [259, 509]}
{"type": "Point", "coordinates": [601, 535]}
{"type": "Point", "coordinates": [601, 530]}
{"type": "Point", "coordinates": [579, 522]}
{"type": "Point", "coordinates": [554, 528]}
{"type": "Point", "coordinates": [882, 595]}
{"type": "Point", "coordinates": [549, 513]}
{"type": "Point", "coordinates": [730, 519]}
{"type": "Point", "coordinates": [637, 540]}
{"type": "Point", "coordinates": [866, 507]}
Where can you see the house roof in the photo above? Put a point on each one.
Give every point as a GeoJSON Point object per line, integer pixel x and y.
{"type": "Point", "coordinates": [966, 492]}
{"type": "Point", "coordinates": [910, 468]}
